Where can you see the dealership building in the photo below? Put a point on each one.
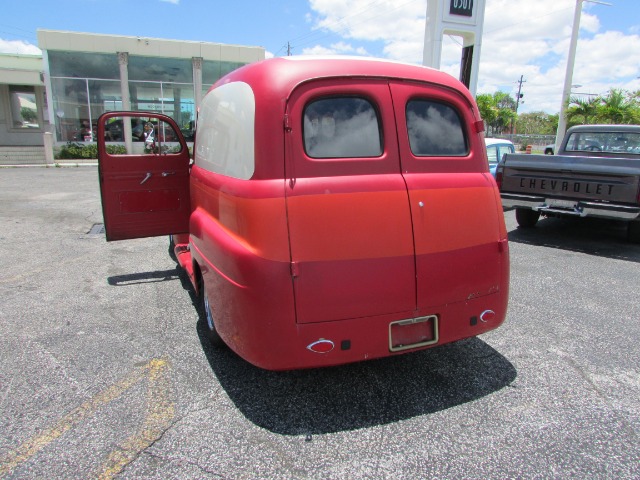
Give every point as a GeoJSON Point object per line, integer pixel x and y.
{"type": "Point", "coordinates": [58, 97]}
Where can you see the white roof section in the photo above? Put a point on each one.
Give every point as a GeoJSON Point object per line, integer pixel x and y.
{"type": "Point", "coordinates": [145, 46]}
{"type": "Point", "coordinates": [19, 69]}
{"type": "Point", "coordinates": [497, 141]}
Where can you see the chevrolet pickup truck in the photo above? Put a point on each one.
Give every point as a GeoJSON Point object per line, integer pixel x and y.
{"type": "Point", "coordinates": [595, 174]}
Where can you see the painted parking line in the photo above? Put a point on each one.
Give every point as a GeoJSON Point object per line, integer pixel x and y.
{"type": "Point", "coordinates": [160, 412]}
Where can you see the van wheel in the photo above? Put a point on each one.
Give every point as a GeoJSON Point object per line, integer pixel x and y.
{"type": "Point", "coordinates": [206, 316]}
{"type": "Point", "coordinates": [526, 217]}
{"type": "Point", "coordinates": [633, 231]}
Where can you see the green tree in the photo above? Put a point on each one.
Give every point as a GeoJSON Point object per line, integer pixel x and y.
{"type": "Point", "coordinates": [581, 111]}
{"type": "Point", "coordinates": [537, 123]}
{"type": "Point", "coordinates": [498, 111]}
{"type": "Point", "coordinates": [616, 107]}
{"type": "Point", "coordinates": [28, 114]}
{"type": "Point", "coordinates": [619, 106]}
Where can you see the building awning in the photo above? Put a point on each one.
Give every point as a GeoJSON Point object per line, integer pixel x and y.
{"type": "Point", "coordinates": [21, 70]}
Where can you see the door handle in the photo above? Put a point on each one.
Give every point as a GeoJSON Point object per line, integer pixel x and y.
{"type": "Point", "coordinates": [147, 177]}
{"type": "Point", "coordinates": [166, 174]}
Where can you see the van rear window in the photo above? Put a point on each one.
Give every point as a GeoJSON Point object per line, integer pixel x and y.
{"type": "Point", "coordinates": [341, 127]}
{"type": "Point", "coordinates": [435, 129]}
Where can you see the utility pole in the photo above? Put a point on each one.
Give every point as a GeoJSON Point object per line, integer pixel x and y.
{"type": "Point", "coordinates": [288, 49]}
{"type": "Point", "coordinates": [518, 97]}
{"type": "Point", "coordinates": [568, 78]}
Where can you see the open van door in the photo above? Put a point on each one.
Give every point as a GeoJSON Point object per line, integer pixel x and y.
{"type": "Point", "coordinates": [145, 191]}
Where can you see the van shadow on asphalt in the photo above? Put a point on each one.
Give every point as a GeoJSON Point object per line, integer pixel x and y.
{"type": "Point", "coordinates": [593, 236]}
{"type": "Point", "coordinates": [376, 392]}
{"type": "Point", "coordinates": [144, 277]}
{"type": "Point", "coordinates": [360, 395]}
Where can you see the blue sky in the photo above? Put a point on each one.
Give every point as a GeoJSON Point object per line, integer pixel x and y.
{"type": "Point", "coordinates": [521, 37]}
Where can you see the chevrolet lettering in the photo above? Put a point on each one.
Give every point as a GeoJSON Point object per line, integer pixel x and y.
{"type": "Point", "coordinates": [565, 186]}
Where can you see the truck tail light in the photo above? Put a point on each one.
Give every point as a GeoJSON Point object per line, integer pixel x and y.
{"type": "Point", "coordinates": [499, 179]}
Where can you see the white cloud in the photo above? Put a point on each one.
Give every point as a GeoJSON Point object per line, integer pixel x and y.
{"type": "Point", "coordinates": [340, 48]}
{"type": "Point", "coordinates": [18, 47]}
{"type": "Point", "coordinates": [175, 2]}
{"type": "Point", "coordinates": [521, 37]}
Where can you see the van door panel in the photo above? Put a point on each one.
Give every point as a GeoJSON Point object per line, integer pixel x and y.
{"type": "Point", "coordinates": [455, 223]}
{"type": "Point", "coordinates": [144, 194]}
{"type": "Point", "coordinates": [349, 223]}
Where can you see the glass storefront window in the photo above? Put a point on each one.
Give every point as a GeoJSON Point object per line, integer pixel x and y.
{"type": "Point", "coordinates": [79, 102]}
{"type": "Point", "coordinates": [83, 65]}
{"type": "Point", "coordinates": [24, 108]}
{"type": "Point", "coordinates": [173, 70]}
{"type": "Point", "coordinates": [85, 85]}
{"type": "Point", "coordinates": [71, 108]}
{"type": "Point", "coordinates": [173, 99]}
{"type": "Point", "coordinates": [212, 71]}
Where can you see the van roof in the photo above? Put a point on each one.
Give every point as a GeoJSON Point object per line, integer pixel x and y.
{"type": "Point", "coordinates": [281, 75]}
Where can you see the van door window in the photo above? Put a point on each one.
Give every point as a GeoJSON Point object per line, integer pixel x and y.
{"type": "Point", "coordinates": [149, 135]}
{"type": "Point", "coordinates": [341, 127]}
{"type": "Point", "coordinates": [434, 129]}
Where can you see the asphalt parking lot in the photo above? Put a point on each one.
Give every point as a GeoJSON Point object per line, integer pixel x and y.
{"type": "Point", "coordinates": [104, 372]}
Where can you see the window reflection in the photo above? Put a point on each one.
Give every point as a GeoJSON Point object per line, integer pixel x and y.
{"type": "Point", "coordinates": [149, 135]}
{"type": "Point", "coordinates": [24, 109]}
{"type": "Point", "coordinates": [341, 127]}
{"type": "Point", "coordinates": [434, 129]}
{"type": "Point", "coordinates": [83, 65]}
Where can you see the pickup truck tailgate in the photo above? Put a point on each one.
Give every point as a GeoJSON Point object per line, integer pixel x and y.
{"type": "Point", "coordinates": [575, 178]}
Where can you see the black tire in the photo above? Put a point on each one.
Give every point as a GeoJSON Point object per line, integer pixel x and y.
{"type": "Point", "coordinates": [526, 217]}
{"type": "Point", "coordinates": [548, 151]}
{"type": "Point", "coordinates": [206, 317]}
{"type": "Point", "coordinates": [633, 231]}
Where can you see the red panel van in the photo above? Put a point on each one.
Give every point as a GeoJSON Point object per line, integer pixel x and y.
{"type": "Point", "coordinates": [336, 210]}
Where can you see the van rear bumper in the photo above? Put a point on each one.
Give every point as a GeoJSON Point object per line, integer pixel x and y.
{"type": "Point", "coordinates": [571, 207]}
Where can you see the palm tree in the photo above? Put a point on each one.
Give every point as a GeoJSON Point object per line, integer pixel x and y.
{"type": "Point", "coordinates": [620, 106]}
{"type": "Point", "coordinates": [497, 111]}
{"type": "Point", "coordinates": [583, 111]}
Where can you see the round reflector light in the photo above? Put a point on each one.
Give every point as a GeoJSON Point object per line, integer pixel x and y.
{"type": "Point", "coordinates": [321, 346]}
{"type": "Point", "coordinates": [487, 315]}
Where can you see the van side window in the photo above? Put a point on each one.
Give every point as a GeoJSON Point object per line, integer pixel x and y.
{"type": "Point", "coordinates": [340, 127]}
{"type": "Point", "coordinates": [435, 129]}
{"type": "Point", "coordinates": [225, 131]}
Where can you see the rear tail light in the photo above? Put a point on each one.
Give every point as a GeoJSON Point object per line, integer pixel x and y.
{"type": "Point", "coordinates": [499, 178]}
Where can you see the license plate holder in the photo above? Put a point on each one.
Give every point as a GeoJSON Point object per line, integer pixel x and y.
{"type": "Point", "coordinates": [413, 333]}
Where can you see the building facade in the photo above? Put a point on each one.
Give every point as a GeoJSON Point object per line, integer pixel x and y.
{"type": "Point", "coordinates": [86, 75]}
{"type": "Point", "coordinates": [23, 110]}
{"type": "Point", "coordinates": [83, 75]}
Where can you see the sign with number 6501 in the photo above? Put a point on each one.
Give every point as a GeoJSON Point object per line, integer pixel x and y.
{"type": "Point", "coordinates": [461, 7]}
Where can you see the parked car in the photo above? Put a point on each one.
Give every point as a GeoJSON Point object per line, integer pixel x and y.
{"type": "Point", "coordinates": [496, 149]}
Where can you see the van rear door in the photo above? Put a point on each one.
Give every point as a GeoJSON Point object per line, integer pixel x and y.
{"type": "Point", "coordinates": [350, 230]}
{"type": "Point", "coordinates": [145, 193]}
{"type": "Point", "coordinates": [456, 221]}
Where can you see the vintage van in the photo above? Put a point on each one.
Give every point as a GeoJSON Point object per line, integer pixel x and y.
{"type": "Point", "coordinates": [336, 210]}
